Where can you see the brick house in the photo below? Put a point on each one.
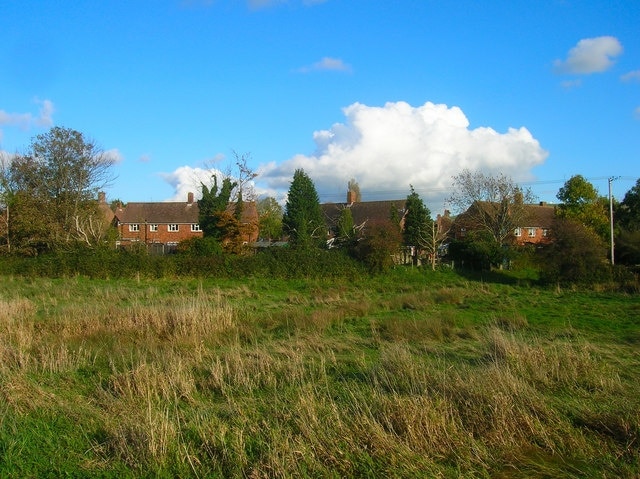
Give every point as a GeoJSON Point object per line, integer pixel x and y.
{"type": "Point", "coordinates": [363, 212]}
{"type": "Point", "coordinates": [165, 224]}
{"type": "Point", "coordinates": [378, 213]}
{"type": "Point", "coordinates": [540, 219]}
{"type": "Point", "coordinates": [534, 230]}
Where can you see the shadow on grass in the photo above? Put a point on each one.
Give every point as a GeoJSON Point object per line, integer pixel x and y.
{"type": "Point", "coordinates": [498, 277]}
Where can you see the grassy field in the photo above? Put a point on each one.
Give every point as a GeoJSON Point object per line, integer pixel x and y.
{"type": "Point", "coordinates": [409, 375]}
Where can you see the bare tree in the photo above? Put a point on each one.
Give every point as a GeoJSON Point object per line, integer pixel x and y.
{"type": "Point", "coordinates": [245, 176]}
{"type": "Point", "coordinates": [494, 204]}
{"type": "Point", "coordinates": [433, 237]}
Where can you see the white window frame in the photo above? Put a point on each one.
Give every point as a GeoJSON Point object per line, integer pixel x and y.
{"type": "Point", "coordinates": [545, 232]}
{"type": "Point", "coordinates": [195, 227]}
{"type": "Point", "coordinates": [173, 228]}
{"type": "Point", "coordinates": [134, 227]}
{"type": "Point", "coordinates": [531, 232]}
{"type": "Point", "coordinates": [517, 232]}
{"type": "Point", "coordinates": [153, 228]}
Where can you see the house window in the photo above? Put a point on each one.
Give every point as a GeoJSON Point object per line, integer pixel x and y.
{"type": "Point", "coordinates": [153, 228]}
{"type": "Point", "coordinates": [174, 228]}
{"type": "Point", "coordinates": [133, 228]}
{"type": "Point", "coordinates": [545, 232]}
{"type": "Point", "coordinates": [532, 232]}
{"type": "Point", "coordinates": [195, 227]}
{"type": "Point", "coordinates": [517, 232]}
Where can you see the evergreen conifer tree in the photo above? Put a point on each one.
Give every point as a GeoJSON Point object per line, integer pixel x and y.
{"type": "Point", "coordinates": [303, 221]}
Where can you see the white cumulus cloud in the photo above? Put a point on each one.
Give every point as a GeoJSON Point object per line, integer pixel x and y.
{"type": "Point", "coordinates": [188, 179]}
{"type": "Point", "coordinates": [590, 55]}
{"type": "Point", "coordinates": [386, 149]}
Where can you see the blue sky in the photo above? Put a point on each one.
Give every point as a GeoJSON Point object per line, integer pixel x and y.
{"type": "Point", "coordinates": [390, 93]}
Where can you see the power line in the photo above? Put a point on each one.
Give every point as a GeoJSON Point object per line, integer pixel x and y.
{"type": "Point", "coordinates": [430, 190]}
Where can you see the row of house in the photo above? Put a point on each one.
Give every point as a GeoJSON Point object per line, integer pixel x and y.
{"type": "Point", "coordinates": [162, 225]}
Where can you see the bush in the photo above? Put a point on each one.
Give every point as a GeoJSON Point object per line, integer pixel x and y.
{"type": "Point", "coordinates": [576, 255]}
{"type": "Point", "coordinates": [627, 249]}
{"type": "Point", "coordinates": [206, 246]}
{"type": "Point", "coordinates": [378, 246]}
{"type": "Point", "coordinates": [477, 251]}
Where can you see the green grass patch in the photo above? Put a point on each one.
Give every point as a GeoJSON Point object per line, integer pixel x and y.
{"type": "Point", "coordinates": [410, 374]}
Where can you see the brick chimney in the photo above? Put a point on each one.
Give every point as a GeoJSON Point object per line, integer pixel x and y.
{"type": "Point", "coordinates": [189, 198]}
{"type": "Point", "coordinates": [351, 197]}
{"type": "Point", "coordinates": [102, 197]}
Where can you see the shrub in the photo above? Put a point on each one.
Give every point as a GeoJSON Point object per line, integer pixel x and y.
{"type": "Point", "coordinates": [206, 246]}
{"type": "Point", "coordinates": [376, 250]}
{"type": "Point", "coordinates": [576, 255]}
{"type": "Point", "coordinates": [477, 251]}
{"type": "Point", "coordinates": [628, 247]}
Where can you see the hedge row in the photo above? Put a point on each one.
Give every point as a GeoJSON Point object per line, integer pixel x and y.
{"type": "Point", "coordinates": [107, 263]}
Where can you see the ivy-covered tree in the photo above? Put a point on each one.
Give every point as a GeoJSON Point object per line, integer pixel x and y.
{"type": "Point", "coordinates": [303, 222]}
{"type": "Point", "coordinates": [213, 217]}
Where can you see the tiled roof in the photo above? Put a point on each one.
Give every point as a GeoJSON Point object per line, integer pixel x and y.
{"type": "Point", "coordinates": [365, 211]}
{"type": "Point", "coordinates": [178, 212]}
{"type": "Point", "coordinates": [535, 215]}
{"type": "Point", "coordinates": [541, 216]}
{"type": "Point", "coordinates": [173, 213]}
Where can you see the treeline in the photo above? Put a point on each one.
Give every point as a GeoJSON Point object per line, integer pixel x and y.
{"type": "Point", "coordinates": [52, 225]}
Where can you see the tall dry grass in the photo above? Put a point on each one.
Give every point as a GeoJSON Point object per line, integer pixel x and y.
{"type": "Point", "coordinates": [189, 384]}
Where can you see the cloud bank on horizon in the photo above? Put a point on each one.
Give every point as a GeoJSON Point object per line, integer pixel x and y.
{"type": "Point", "coordinates": [386, 149]}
